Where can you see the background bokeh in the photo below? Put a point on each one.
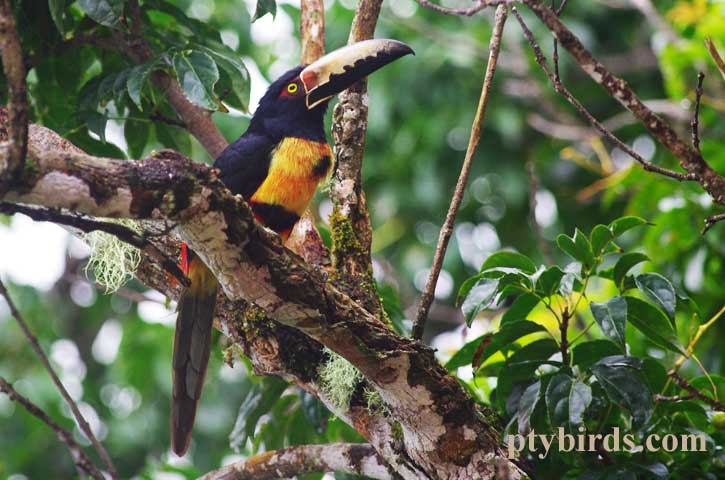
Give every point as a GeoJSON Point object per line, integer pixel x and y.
{"type": "Point", "coordinates": [113, 350]}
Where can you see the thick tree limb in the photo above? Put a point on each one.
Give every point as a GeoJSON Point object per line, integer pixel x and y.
{"type": "Point", "coordinates": [82, 423]}
{"type": "Point", "coordinates": [447, 229]}
{"type": "Point", "coordinates": [441, 431]}
{"type": "Point", "coordinates": [350, 222]}
{"type": "Point", "coordinates": [351, 458]}
{"type": "Point", "coordinates": [84, 464]}
{"type": "Point", "coordinates": [14, 69]}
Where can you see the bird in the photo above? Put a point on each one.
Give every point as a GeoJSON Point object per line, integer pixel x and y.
{"type": "Point", "coordinates": [276, 166]}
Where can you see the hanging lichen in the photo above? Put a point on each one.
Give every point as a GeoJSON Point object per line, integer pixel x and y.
{"type": "Point", "coordinates": [339, 379]}
{"type": "Point", "coordinates": [112, 261]}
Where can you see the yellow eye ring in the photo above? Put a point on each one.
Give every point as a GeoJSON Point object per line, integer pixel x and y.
{"type": "Point", "coordinates": [292, 88]}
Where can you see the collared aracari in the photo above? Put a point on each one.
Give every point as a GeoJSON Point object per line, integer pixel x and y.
{"type": "Point", "coordinates": [276, 166]}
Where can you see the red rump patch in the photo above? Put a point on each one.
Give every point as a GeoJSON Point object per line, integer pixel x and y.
{"type": "Point", "coordinates": [184, 263]}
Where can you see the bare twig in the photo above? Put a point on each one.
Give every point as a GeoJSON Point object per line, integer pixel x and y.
{"type": "Point", "coordinates": [160, 117]}
{"type": "Point", "coordinates": [564, 330]}
{"type": "Point", "coordinates": [533, 187]}
{"type": "Point", "coordinates": [689, 158]}
{"type": "Point", "coordinates": [84, 464]}
{"type": "Point", "coordinates": [711, 221]}
{"type": "Point", "coordinates": [64, 393]}
{"type": "Point", "coordinates": [716, 57]}
{"type": "Point", "coordinates": [14, 69]}
{"type": "Point", "coordinates": [562, 90]}
{"type": "Point", "coordinates": [351, 458]}
{"type": "Point", "coordinates": [675, 398]}
{"type": "Point", "coordinates": [467, 12]}
{"type": "Point", "coordinates": [687, 386]}
{"type": "Point", "coordinates": [447, 228]}
{"type": "Point", "coordinates": [88, 225]}
{"type": "Point", "coordinates": [695, 124]}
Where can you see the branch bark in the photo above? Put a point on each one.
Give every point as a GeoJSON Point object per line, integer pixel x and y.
{"type": "Point", "coordinates": [350, 458]}
{"type": "Point", "coordinates": [447, 228]}
{"type": "Point", "coordinates": [350, 221]}
{"type": "Point", "coordinates": [14, 69]}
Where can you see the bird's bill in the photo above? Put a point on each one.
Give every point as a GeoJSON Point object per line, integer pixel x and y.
{"type": "Point", "coordinates": [341, 68]}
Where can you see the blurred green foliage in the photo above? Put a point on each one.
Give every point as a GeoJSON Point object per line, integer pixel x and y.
{"type": "Point", "coordinates": [420, 113]}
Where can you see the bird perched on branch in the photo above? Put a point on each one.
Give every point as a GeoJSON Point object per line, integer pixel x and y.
{"type": "Point", "coordinates": [276, 166]}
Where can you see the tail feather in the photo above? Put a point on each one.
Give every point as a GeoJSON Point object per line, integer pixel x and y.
{"type": "Point", "coordinates": [192, 344]}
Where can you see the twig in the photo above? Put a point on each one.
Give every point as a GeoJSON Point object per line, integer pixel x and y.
{"type": "Point", "coordinates": [716, 57]}
{"type": "Point", "coordinates": [695, 124]}
{"type": "Point", "coordinates": [689, 158]}
{"type": "Point", "coordinates": [64, 393]}
{"type": "Point", "coordinates": [564, 330]}
{"type": "Point", "coordinates": [88, 225]}
{"type": "Point", "coordinates": [711, 221]}
{"type": "Point", "coordinates": [533, 187]}
{"type": "Point", "coordinates": [447, 228]}
{"type": "Point", "coordinates": [555, 54]}
{"type": "Point", "coordinates": [160, 117]}
{"type": "Point", "coordinates": [687, 386]}
{"type": "Point", "coordinates": [675, 398]}
{"type": "Point", "coordinates": [83, 463]}
{"type": "Point", "coordinates": [562, 90]}
{"type": "Point", "coordinates": [351, 458]}
{"type": "Point", "coordinates": [467, 12]}
{"type": "Point", "coordinates": [14, 69]}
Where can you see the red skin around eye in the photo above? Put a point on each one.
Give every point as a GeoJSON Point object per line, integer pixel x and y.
{"type": "Point", "coordinates": [285, 93]}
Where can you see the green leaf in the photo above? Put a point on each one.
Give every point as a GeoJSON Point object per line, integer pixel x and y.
{"type": "Point", "coordinates": [624, 264]}
{"type": "Point", "coordinates": [506, 335]}
{"type": "Point", "coordinates": [524, 362]}
{"type": "Point", "coordinates": [621, 225]}
{"type": "Point", "coordinates": [264, 7]}
{"type": "Point", "coordinates": [599, 238]}
{"type": "Point", "coordinates": [479, 296]}
{"type": "Point", "coordinates": [702, 383]}
{"type": "Point", "coordinates": [105, 12]}
{"type": "Point", "coordinates": [659, 290]}
{"type": "Point", "coordinates": [96, 123]}
{"type": "Point", "coordinates": [520, 308]}
{"type": "Point", "coordinates": [197, 73]}
{"type": "Point", "coordinates": [586, 354]}
{"type": "Point", "coordinates": [527, 404]}
{"type": "Point", "coordinates": [259, 400]}
{"type": "Point", "coordinates": [506, 259]}
{"type": "Point", "coordinates": [57, 7]}
{"type": "Point", "coordinates": [611, 317]}
{"type": "Point", "coordinates": [229, 62]}
{"type": "Point", "coordinates": [314, 411]}
{"type": "Point", "coordinates": [616, 374]}
{"type": "Point", "coordinates": [136, 81]}
{"type": "Point", "coordinates": [654, 324]}
{"type": "Point", "coordinates": [137, 136]}
{"type": "Point", "coordinates": [548, 282]}
{"type": "Point", "coordinates": [567, 399]}
{"type": "Point", "coordinates": [577, 248]}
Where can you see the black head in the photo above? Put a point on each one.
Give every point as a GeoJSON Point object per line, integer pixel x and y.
{"type": "Point", "coordinates": [295, 104]}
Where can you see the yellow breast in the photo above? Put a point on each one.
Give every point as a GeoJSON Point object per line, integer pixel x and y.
{"type": "Point", "coordinates": [296, 168]}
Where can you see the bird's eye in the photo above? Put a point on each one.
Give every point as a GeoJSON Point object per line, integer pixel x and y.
{"type": "Point", "coordinates": [292, 88]}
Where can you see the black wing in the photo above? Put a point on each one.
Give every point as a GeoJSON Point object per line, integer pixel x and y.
{"type": "Point", "coordinates": [244, 163]}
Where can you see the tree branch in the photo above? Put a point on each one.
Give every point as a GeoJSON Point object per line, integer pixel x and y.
{"type": "Point", "coordinates": [88, 225]}
{"type": "Point", "coordinates": [350, 458]}
{"type": "Point", "coordinates": [690, 159]}
{"type": "Point", "coordinates": [447, 228]}
{"type": "Point", "coordinates": [84, 464]}
{"type": "Point", "coordinates": [687, 386]}
{"type": "Point", "coordinates": [563, 91]}
{"type": "Point", "coordinates": [350, 221]}
{"type": "Point", "coordinates": [14, 69]}
{"type": "Point", "coordinates": [82, 423]}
